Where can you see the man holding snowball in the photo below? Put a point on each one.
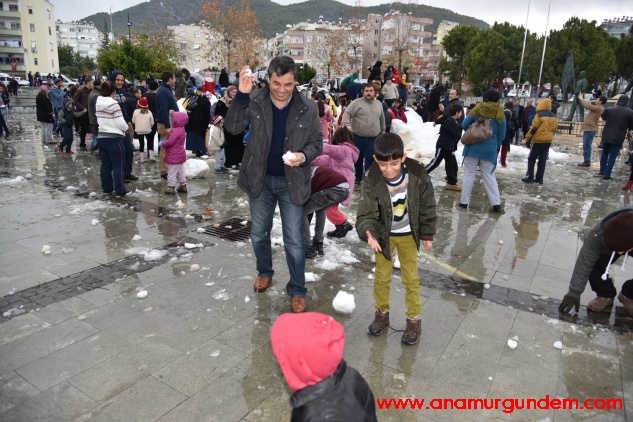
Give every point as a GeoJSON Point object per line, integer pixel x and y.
{"type": "Point", "coordinates": [285, 136]}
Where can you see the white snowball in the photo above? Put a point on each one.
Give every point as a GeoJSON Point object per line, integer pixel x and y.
{"type": "Point", "coordinates": [512, 344]}
{"type": "Point", "coordinates": [137, 237]}
{"type": "Point", "coordinates": [344, 302]}
{"type": "Point", "coordinates": [142, 294]}
{"type": "Point", "coordinates": [94, 222]}
{"type": "Point", "coordinates": [558, 345]}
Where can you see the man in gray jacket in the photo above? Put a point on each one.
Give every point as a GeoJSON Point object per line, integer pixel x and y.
{"type": "Point", "coordinates": [366, 119]}
{"type": "Point", "coordinates": [285, 136]}
{"type": "Point", "coordinates": [604, 244]}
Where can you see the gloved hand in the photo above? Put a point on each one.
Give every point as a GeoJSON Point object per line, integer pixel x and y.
{"type": "Point", "coordinates": [568, 303]}
{"type": "Point", "coordinates": [160, 144]}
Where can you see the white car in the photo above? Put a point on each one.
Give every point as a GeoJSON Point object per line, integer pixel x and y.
{"type": "Point", "coordinates": [514, 92]}
{"type": "Point", "coordinates": [22, 82]}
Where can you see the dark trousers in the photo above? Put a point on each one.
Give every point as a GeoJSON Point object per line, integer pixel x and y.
{"type": "Point", "coordinates": [84, 126]}
{"type": "Point", "coordinates": [3, 125]}
{"type": "Point", "coordinates": [609, 154]}
{"type": "Point", "coordinates": [112, 155]}
{"type": "Point", "coordinates": [602, 288]}
{"type": "Point", "coordinates": [450, 164]}
{"type": "Point", "coordinates": [365, 145]}
{"type": "Point", "coordinates": [538, 152]}
{"type": "Point", "coordinates": [67, 141]}
{"type": "Point", "coordinates": [317, 203]}
{"type": "Point", "coordinates": [141, 142]}
{"type": "Point", "coordinates": [128, 154]}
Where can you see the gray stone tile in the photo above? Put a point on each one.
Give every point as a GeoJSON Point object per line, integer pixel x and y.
{"type": "Point", "coordinates": [511, 281]}
{"type": "Point", "coordinates": [111, 377]}
{"type": "Point", "coordinates": [20, 326]}
{"type": "Point", "coordinates": [14, 390]}
{"type": "Point", "coordinates": [196, 369]}
{"type": "Point", "coordinates": [548, 287]}
{"type": "Point", "coordinates": [156, 399]}
{"type": "Point", "coordinates": [72, 267]}
{"type": "Point", "coordinates": [194, 331]}
{"type": "Point", "coordinates": [536, 335]}
{"type": "Point", "coordinates": [61, 311]}
{"type": "Point", "coordinates": [234, 394]}
{"type": "Point", "coordinates": [63, 364]}
{"type": "Point", "coordinates": [25, 280]}
{"type": "Point", "coordinates": [553, 273]}
{"type": "Point", "coordinates": [275, 407]}
{"type": "Point", "coordinates": [60, 403]}
{"type": "Point", "coordinates": [247, 335]}
{"type": "Point", "coordinates": [34, 346]}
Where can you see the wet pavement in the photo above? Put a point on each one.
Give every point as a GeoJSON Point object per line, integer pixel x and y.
{"type": "Point", "coordinates": [77, 344]}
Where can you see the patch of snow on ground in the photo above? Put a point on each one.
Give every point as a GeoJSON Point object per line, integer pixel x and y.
{"type": "Point", "coordinates": [221, 295]}
{"type": "Point", "coordinates": [14, 181]}
{"type": "Point", "coordinates": [13, 312]}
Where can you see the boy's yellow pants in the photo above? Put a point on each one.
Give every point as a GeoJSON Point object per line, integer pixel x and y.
{"type": "Point", "coordinates": [408, 255]}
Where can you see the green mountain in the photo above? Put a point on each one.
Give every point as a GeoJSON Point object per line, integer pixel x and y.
{"type": "Point", "coordinates": [273, 17]}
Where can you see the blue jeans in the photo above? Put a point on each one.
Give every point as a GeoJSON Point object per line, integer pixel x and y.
{"type": "Point", "coordinates": [67, 142]}
{"type": "Point", "coordinates": [112, 153]}
{"type": "Point", "coordinates": [587, 141]}
{"type": "Point", "coordinates": [365, 145]}
{"type": "Point", "coordinates": [275, 192]}
{"type": "Point", "coordinates": [607, 159]}
{"type": "Point", "coordinates": [56, 125]}
{"type": "Point", "coordinates": [128, 154]}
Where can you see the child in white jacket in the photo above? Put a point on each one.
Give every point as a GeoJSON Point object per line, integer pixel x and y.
{"type": "Point", "coordinates": [143, 122]}
{"type": "Point", "coordinates": [217, 143]}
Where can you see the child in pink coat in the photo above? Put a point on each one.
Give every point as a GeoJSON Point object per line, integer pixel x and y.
{"type": "Point", "coordinates": [340, 156]}
{"type": "Point", "coordinates": [175, 155]}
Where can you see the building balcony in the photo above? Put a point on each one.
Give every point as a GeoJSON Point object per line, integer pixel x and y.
{"type": "Point", "coordinates": [9, 14]}
{"type": "Point", "coordinates": [6, 68]}
{"type": "Point", "coordinates": [8, 31]}
{"type": "Point", "coordinates": [11, 50]}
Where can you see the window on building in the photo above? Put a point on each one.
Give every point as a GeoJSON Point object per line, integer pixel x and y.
{"type": "Point", "coordinates": [196, 35]}
{"type": "Point", "coordinates": [196, 46]}
{"type": "Point", "coordinates": [183, 45]}
{"type": "Point", "coordinates": [308, 38]}
{"type": "Point", "coordinates": [13, 8]}
{"type": "Point", "coordinates": [33, 47]}
{"type": "Point", "coordinates": [48, 12]}
{"type": "Point", "coordinates": [32, 27]}
{"type": "Point", "coordinates": [183, 59]}
{"type": "Point", "coordinates": [51, 45]}
{"type": "Point", "coordinates": [50, 32]}
{"type": "Point", "coordinates": [35, 61]}
{"type": "Point", "coordinates": [30, 13]}
{"type": "Point", "coordinates": [375, 32]}
{"type": "Point", "coordinates": [375, 43]}
{"type": "Point", "coordinates": [72, 29]}
{"type": "Point", "coordinates": [53, 64]}
{"type": "Point", "coordinates": [197, 58]}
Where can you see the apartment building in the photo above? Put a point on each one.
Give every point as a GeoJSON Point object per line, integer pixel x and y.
{"type": "Point", "coordinates": [84, 37]}
{"type": "Point", "coordinates": [443, 29]}
{"type": "Point", "coordinates": [27, 37]}
{"type": "Point", "coordinates": [618, 27]}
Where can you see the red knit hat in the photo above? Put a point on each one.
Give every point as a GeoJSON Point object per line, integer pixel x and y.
{"type": "Point", "coordinates": [308, 346]}
{"type": "Point", "coordinates": [142, 102]}
{"type": "Point", "coordinates": [217, 120]}
{"type": "Point", "coordinates": [618, 232]}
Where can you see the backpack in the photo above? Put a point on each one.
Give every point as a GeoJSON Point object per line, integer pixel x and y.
{"type": "Point", "coordinates": [191, 102]}
{"type": "Point", "coordinates": [510, 131]}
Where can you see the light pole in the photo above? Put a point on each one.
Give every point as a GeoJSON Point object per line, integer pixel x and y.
{"type": "Point", "coordinates": [129, 38]}
{"type": "Point", "coordinates": [111, 32]}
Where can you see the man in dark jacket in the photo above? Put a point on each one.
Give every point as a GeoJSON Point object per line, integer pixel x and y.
{"type": "Point", "coordinates": [618, 121]}
{"type": "Point", "coordinates": [517, 115]}
{"type": "Point", "coordinates": [527, 116]}
{"type": "Point", "coordinates": [81, 104]}
{"type": "Point", "coordinates": [607, 241]}
{"type": "Point", "coordinates": [450, 134]}
{"type": "Point", "coordinates": [92, 117]}
{"type": "Point", "coordinates": [285, 136]}
{"type": "Point", "coordinates": [165, 102]}
{"type": "Point", "coordinates": [118, 79]}
{"type": "Point", "coordinates": [324, 387]}
{"type": "Point", "coordinates": [453, 98]}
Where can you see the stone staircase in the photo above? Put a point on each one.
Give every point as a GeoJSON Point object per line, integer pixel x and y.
{"type": "Point", "coordinates": [23, 106]}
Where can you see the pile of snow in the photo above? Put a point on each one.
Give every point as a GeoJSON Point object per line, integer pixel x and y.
{"type": "Point", "coordinates": [15, 181]}
{"type": "Point", "coordinates": [46, 250]}
{"type": "Point", "coordinates": [90, 206]}
{"type": "Point", "coordinates": [196, 168]}
{"type": "Point", "coordinates": [419, 138]}
{"type": "Point", "coordinates": [147, 254]}
{"type": "Point", "coordinates": [193, 245]}
{"type": "Point", "coordinates": [13, 312]}
{"type": "Point", "coordinates": [344, 302]}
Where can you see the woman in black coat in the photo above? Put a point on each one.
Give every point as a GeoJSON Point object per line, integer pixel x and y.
{"type": "Point", "coordinates": [223, 80]}
{"type": "Point", "coordinates": [45, 114]}
{"type": "Point", "coordinates": [233, 144]}
{"type": "Point", "coordinates": [374, 72]}
{"type": "Point", "coordinates": [198, 125]}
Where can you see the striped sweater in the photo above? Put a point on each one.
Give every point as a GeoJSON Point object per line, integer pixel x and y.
{"type": "Point", "coordinates": [400, 226]}
{"type": "Point", "coordinates": [110, 118]}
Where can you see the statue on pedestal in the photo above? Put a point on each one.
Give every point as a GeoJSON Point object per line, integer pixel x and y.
{"type": "Point", "coordinates": [581, 86]}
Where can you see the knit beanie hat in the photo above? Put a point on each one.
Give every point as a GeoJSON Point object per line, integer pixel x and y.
{"type": "Point", "coordinates": [492, 95]}
{"type": "Point", "coordinates": [217, 120]}
{"type": "Point", "coordinates": [618, 232]}
{"type": "Point", "coordinates": [308, 346]}
{"type": "Point", "coordinates": [142, 102]}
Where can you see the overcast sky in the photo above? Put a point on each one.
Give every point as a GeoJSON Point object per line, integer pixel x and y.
{"type": "Point", "coordinates": [487, 10]}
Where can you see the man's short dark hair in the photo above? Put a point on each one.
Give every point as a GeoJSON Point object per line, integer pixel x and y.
{"type": "Point", "coordinates": [282, 65]}
{"type": "Point", "coordinates": [107, 88]}
{"type": "Point", "coordinates": [98, 81]}
{"type": "Point", "coordinates": [167, 75]}
{"type": "Point", "coordinates": [368, 84]}
{"type": "Point", "coordinates": [457, 93]}
{"type": "Point", "coordinates": [131, 90]}
{"type": "Point", "coordinates": [153, 85]}
{"type": "Point", "coordinates": [455, 108]}
{"type": "Point", "coordinates": [143, 80]}
{"type": "Point", "coordinates": [388, 146]}
{"type": "Point", "coordinates": [185, 72]}
{"type": "Point", "coordinates": [603, 99]}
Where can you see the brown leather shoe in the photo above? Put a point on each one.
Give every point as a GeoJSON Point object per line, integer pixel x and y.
{"type": "Point", "coordinates": [262, 283]}
{"type": "Point", "coordinates": [298, 304]}
{"type": "Point", "coordinates": [599, 304]}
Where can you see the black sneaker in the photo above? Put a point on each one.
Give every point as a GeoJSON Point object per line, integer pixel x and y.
{"type": "Point", "coordinates": [318, 246]}
{"type": "Point", "coordinates": [131, 177]}
{"type": "Point", "coordinates": [82, 149]}
{"type": "Point", "coordinates": [381, 321]}
{"type": "Point", "coordinates": [341, 230]}
{"type": "Point", "coordinates": [311, 252]}
{"type": "Point", "coordinates": [412, 332]}
{"type": "Point", "coordinates": [527, 180]}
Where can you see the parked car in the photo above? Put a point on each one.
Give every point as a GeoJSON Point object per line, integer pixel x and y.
{"type": "Point", "coordinates": [515, 92]}
{"type": "Point", "coordinates": [22, 82]}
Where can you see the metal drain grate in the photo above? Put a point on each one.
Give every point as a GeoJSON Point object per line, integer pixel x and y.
{"type": "Point", "coordinates": [235, 229]}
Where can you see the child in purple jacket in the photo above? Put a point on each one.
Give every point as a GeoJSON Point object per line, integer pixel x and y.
{"type": "Point", "coordinates": [175, 155]}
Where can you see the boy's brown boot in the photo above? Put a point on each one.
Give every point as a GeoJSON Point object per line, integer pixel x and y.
{"type": "Point", "coordinates": [381, 321]}
{"type": "Point", "coordinates": [628, 304]}
{"type": "Point", "coordinates": [170, 190]}
{"type": "Point", "coordinates": [182, 188]}
{"type": "Point", "coordinates": [412, 332]}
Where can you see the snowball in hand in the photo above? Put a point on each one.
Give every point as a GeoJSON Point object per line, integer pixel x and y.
{"type": "Point", "coordinates": [288, 156]}
{"type": "Point", "coordinates": [344, 302]}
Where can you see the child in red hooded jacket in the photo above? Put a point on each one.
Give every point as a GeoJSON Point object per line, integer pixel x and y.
{"type": "Point", "coordinates": [309, 348]}
{"type": "Point", "coordinates": [175, 155]}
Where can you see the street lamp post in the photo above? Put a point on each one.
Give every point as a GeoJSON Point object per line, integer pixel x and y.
{"type": "Point", "coordinates": [129, 38]}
